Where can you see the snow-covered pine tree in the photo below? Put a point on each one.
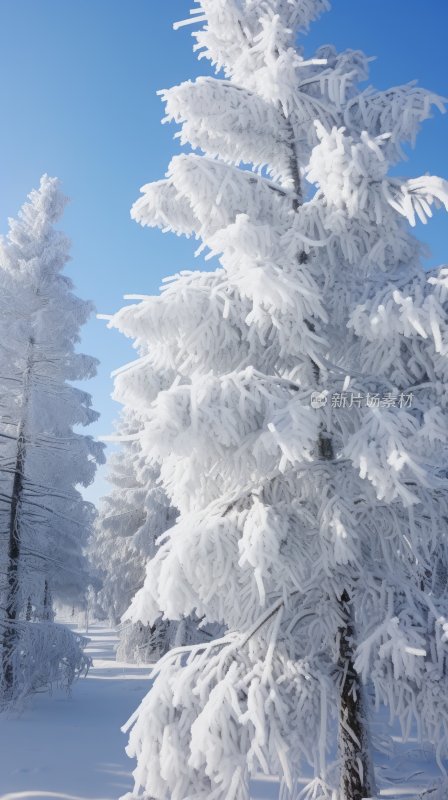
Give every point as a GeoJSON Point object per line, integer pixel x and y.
{"type": "Point", "coordinates": [131, 517]}
{"type": "Point", "coordinates": [115, 561]}
{"type": "Point", "coordinates": [46, 522]}
{"type": "Point", "coordinates": [307, 531]}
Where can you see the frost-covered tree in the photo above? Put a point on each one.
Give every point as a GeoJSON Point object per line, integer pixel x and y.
{"type": "Point", "coordinates": [45, 521]}
{"type": "Point", "coordinates": [112, 551]}
{"type": "Point", "coordinates": [295, 399]}
{"type": "Point", "coordinates": [131, 517]}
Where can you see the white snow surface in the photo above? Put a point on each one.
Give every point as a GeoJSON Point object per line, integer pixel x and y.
{"type": "Point", "coordinates": [70, 747]}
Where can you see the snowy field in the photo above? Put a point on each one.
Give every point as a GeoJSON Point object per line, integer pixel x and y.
{"type": "Point", "coordinates": [71, 747]}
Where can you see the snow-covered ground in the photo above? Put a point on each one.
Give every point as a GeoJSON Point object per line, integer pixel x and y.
{"type": "Point", "coordinates": [71, 747]}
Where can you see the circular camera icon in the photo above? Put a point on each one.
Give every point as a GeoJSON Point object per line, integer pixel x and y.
{"type": "Point", "coordinates": [318, 399]}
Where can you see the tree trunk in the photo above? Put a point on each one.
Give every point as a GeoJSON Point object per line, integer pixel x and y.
{"type": "Point", "coordinates": [47, 613]}
{"type": "Point", "coordinates": [12, 606]}
{"type": "Point", "coordinates": [357, 778]}
{"type": "Point", "coordinates": [14, 543]}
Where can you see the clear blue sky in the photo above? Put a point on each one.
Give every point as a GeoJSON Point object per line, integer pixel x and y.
{"type": "Point", "coordinates": [78, 82]}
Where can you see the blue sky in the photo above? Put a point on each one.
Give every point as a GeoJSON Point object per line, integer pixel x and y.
{"type": "Point", "coordinates": [78, 82]}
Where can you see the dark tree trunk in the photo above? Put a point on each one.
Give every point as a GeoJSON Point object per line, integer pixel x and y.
{"type": "Point", "coordinates": [12, 605]}
{"type": "Point", "coordinates": [12, 579]}
{"type": "Point", "coordinates": [357, 777]}
{"type": "Point", "coordinates": [47, 612]}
